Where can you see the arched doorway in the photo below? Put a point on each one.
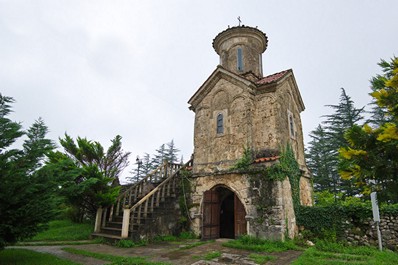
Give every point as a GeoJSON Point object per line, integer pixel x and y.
{"type": "Point", "coordinates": [223, 214]}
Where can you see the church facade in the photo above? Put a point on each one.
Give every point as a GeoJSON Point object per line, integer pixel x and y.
{"type": "Point", "coordinates": [238, 111]}
{"type": "Point", "coordinates": [238, 108]}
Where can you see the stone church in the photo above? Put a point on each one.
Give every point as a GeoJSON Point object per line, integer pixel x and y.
{"type": "Point", "coordinates": [236, 108]}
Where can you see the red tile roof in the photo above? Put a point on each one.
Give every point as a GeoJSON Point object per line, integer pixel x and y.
{"type": "Point", "coordinates": [266, 159]}
{"type": "Point", "coordinates": [272, 78]}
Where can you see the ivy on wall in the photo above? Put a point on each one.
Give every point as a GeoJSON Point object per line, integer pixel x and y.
{"type": "Point", "coordinates": [330, 221]}
{"type": "Point", "coordinates": [286, 167]}
{"type": "Point", "coordinates": [184, 199]}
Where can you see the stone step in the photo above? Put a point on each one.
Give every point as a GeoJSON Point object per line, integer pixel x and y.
{"type": "Point", "coordinates": [111, 231]}
{"type": "Point", "coordinates": [117, 218]}
{"type": "Point", "coordinates": [114, 224]}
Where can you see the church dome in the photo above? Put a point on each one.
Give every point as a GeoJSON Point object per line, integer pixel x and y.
{"type": "Point", "coordinates": [240, 49]}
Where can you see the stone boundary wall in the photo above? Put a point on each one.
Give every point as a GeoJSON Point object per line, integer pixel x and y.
{"type": "Point", "coordinates": [365, 233]}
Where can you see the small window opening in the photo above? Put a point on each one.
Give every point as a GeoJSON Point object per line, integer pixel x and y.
{"type": "Point", "coordinates": [220, 124]}
{"type": "Point", "coordinates": [239, 60]}
{"type": "Point", "coordinates": [291, 125]}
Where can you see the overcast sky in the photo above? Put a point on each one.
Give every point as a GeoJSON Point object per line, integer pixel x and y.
{"type": "Point", "coordinates": [96, 69]}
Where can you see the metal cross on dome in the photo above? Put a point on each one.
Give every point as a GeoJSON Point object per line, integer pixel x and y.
{"type": "Point", "coordinates": [239, 20]}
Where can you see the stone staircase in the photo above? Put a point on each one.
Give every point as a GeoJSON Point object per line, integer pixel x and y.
{"type": "Point", "coordinates": [141, 210]}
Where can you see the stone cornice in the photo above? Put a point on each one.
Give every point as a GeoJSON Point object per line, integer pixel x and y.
{"type": "Point", "coordinates": [241, 31]}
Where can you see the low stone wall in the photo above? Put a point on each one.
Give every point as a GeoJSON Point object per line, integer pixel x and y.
{"type": "Point", "coordinates": [365, 233]}
{"type": "Point", "coordinates": [165, 220]}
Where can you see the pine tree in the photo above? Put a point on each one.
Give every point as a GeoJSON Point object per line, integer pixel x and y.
{"type": "Point", "coordinates": [160, 156]}
{"type": "Point", "coordinates": [26, 194]}
{"type": "Point", "coordinates": [147, 165]}
{"type": "Point", "coordinates": [171, 152]}
{"type": "Point", "coordinates": [323, 156]}
{"type": "Point", "coordinates": [142, 168]}
{"type": "Point", "coordinates": [322, 162]}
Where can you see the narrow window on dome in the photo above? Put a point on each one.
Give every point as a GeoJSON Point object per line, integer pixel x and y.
{"type": "Point", "coordinates": [239, 61]}
{"type": "Point", "coordinates": [220, 124]}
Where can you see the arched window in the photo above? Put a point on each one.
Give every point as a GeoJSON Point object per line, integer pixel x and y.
{"type": "Point", "coordinates": [239, 60]}
{"type": "Point", "coordinates": [220, 123]}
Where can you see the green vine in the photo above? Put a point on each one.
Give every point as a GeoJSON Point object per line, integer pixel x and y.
{"type": "Point", "coordinates": [287, 166]}
{"type": "Point", "coordinates": [184, 199]}
{"type": "Point", "coordinates": [243, 164]}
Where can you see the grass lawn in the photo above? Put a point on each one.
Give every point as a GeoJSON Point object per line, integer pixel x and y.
{"type": "Point", "coordinates": [29, 257]}
{"type": "Point", "coordinates": [261, 245]}
{"type": "Point", "coordinates": [116, 260]}
{"type": "Point", "coordinates": [64, 230]}
{"type": "Point", "coordinates": [324, 253]}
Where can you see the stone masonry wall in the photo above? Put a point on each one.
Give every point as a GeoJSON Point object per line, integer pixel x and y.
{"type": "Point", "coordinates": [366, 234]}
{"type": "Point", "coordinates": [164, 221]}
{"type": "Point", "coordinates": [268, 204]}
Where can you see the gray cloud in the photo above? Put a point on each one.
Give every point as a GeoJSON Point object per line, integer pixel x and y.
{"type": "Point", "coordinates": [100, 68]}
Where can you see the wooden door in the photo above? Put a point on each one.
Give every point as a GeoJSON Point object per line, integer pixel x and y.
{"type": "Point", "coordinates": [240, 218]}
{"type": "Point", "coordinates": [211, 215]}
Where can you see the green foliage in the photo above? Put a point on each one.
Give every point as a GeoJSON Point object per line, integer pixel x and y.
{"type": "Point", "coordinates": [187, 235]}
{"type": "Point", "coordinates": [261, 259]}
{"type": "Point", "coordinates": [243, 164]}
{"type": "Point", "coordinates": [289, 167]}
{"type": "Point", "coordinates": [164, 238]}
{"type": "Point", "coordinates": [87, 175]}
{"type": "Point", "coordinates": [325, 197]}
{"type": "Point", "coordinates": [115, 260]}
{"type": "Point", "coordinates": [125, 243]}
{"type": "Point", "coordinates": [286, 167]}
{"type": "Point", "coordinates": [184, 199]}
{"type": "Point", "coordinates": [322, 153]}
{"type": "Point", "coordinates": [64, 230]}
{"type": "Point", "coordinates": [26, 194]}
{"type": "Point", "coordinates": [322, 161]}
{"type": "Point", "coordinates": [329, 221]}
{"type": "Point", "coordinates": [30, 257]}
{"type": "Point", "coordinates": [261, 245]}
{"type": "Point", "coordinates": [212, 255]}
{"type": "Point", "coordinates": [170, 238]}
{"type": "Point", "coordinates": [144, 166]}
{"type": "Point", "coordinates": [369, 157]}
{"type": "Point", "coordinates": [334, 253]}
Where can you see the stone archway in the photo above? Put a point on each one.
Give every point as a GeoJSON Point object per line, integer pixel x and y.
{"type": "Point", "coordinates": [223, 214]}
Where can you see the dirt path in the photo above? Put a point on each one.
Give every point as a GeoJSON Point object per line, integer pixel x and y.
{"type": "Point", "coordinates": [173, 253]}
{"type": "Point", "coordinates": [57, 251]}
